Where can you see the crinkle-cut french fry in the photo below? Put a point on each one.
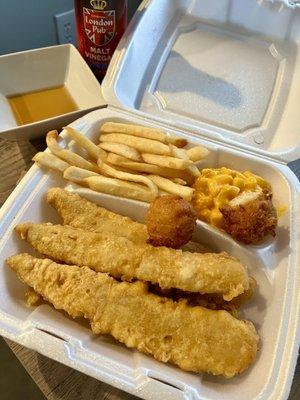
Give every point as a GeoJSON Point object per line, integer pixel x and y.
{"type": "Point", "coordinates": [166, 161]}
{"type": "Point", "coordinates": [92, 149]}
{"type": "Point", "coordinates": [141, 144]}
{"type": "Point", "coordinates": [134, 130]}
{"type": "Point", "coordinates": [122, 150]}
{"type": "Point", "coordinates": [77, 175]}
{"type": "Point", "coordinates": [197, 153]}
{"type": "Point", "coordinates": [149, 168]}
{"type": "Point", "coordinates": [181, 153]}
{"type": "Point", "coordinates": [119, 188]}
{"type": "Point", "coordinates": [49, 160]}
{"type": "Point", "coordinates": [67, 155]}
{"type": "Point", "coordinates": [167, 185]}
{"type": "Point", "coordinates": [106, 169]}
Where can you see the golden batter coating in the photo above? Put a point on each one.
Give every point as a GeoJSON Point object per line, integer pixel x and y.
{"type": "Point", "coordinates": [78, 212]}
{"type": "Point", "coordinates": [118, 256]}
{"type": "Point", "coordinates": [194, 338]}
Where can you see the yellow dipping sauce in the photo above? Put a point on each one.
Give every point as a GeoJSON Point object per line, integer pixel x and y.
{"type": "Point", "coordinates": [42, 104]}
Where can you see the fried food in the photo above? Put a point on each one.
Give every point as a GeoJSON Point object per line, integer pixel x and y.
{"type": "Point", "coordinates": [149, 168]}
{"type": "Point", "coordinates": [181, 153]}
{"type": "Point", "coordinates": [250, 217]}
{"type": "Point", "coordinates": [33, 299]}
{"type": "Point", "coordinates": [239, 203]}
{"type": "Point", "coordinates": [129, 146]}
{"type": "Point", "coordinates": [141, 144]}
{"type": "Point", "coordinates": [78, 175]}
{"type": "Point", "coordinates": [117, 187]}
{"type": "Point", "coordinates": [197, 153]}
{"type": "Point", "coordinates": [170, 221]}
{"type": "Point", "coordinates": [67, 155]}
{"type": "Point", "coordinates": [142, 131]}
{"type": "Point", "coordinates": [211, 301]}
{"type": "Point", "coordinates": [78, 212]}
{"type": "Point", "coordinates": [170, 187]}
{"type": "Point", "coordinates": [118, 256]}
{"type": "Point", "coordinates": [194, 338]}
{"type": "Point", "coordinates": [122, 150]}
{"type": "Point", "coordinates": [108, 170]}
{"type": "Point", "coordinates": [48, 160]}
{"type": "Point", "coordinates": [166, 161]}
{"type": "Point", "coordinates": [93, 150]}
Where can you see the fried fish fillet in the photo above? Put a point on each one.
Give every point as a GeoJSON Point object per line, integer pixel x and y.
{"type": "Point", "coordinates": [194, 338]}
{"type": "Point", "coordinates": [212, 301]}
{"type": "Point", "coordinates": [120, 257]}
{"type": "Point", "coordinates": [78, 212]}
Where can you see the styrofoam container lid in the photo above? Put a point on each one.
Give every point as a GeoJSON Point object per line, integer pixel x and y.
{"type": "Point", "coordinates": [225, 70]}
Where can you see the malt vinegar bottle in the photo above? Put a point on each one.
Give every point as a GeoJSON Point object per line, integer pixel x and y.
{"type": "Point", "coordinates": [100, 26]}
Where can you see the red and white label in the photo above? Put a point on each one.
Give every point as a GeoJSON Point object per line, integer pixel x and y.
{"type": "Point", "coordinates": [99, 26]}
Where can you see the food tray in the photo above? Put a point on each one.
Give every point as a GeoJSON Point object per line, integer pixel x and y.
{"type": "Point", "coordinates": [275, 309]}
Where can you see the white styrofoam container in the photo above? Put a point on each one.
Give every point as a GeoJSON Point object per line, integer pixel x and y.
{"type": "Point", "coordinates": [134, 76]}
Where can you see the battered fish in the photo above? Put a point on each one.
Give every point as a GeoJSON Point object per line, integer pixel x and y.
{"type": "Point", "coordinates": [78, 212]}
{"type": "Point", "coordinates": [212, 301]}
{"type": "Point", "coordinates": [194, 338]}
{"type": "Point", "coordinates": [118, 256]}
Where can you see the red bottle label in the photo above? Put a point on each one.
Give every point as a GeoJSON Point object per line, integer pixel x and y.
{"type": "Point", "coordinates": [100, 26]}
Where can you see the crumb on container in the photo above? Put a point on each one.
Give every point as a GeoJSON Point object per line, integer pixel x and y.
{"type": "Point", "coordinates": [33, 299]}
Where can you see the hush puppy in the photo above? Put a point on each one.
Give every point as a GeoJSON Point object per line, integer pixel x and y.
{"type": "Point", "coordinates": [170, 221]}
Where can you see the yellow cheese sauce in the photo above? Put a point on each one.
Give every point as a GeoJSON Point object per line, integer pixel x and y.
{"type": "Point", "coordinates": [42, 104]}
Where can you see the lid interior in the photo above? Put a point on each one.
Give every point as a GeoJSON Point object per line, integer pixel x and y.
{"type": "Point", "coordinates": [225, 69]}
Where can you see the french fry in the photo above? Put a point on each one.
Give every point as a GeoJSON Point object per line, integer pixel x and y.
{"type": "Point", "coordinates": [77, 175]}
{"type": "Point", "coordinates": [122, 150]}
{"type": "Point", "coordinates": [181, 153]}
{"type": "Point", "coordinates": [141, 144]}
{"type": "Point", "coordinates": [119, 188]}
{"type": "Point", "coordinates": [134, 130]}
{"type": "Point", "coordinates": [197, 153]}
{"type": "Point", "coordinates": [142, 131]}
{"type": "Point", "coordinates": [166, 161]}
{"type": "Point", "coordinates": [93, 150]}
{"type": "Point", "coordinates": [179, 181]}
{"type": "Point", "coordinates": [67, 155]}
{"type": "Point", "coordinates": [49, 160]}
{"type": "Point", "coordinates": [106, 169]}
{"type": "Point", "coordinates": [149, 168]}
{"type": "Point", "coordinates": [176, 141]}
{"type": "Point", "coordinates": [167, 185]}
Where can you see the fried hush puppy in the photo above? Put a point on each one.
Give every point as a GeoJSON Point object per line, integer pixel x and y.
{"type": "Point", "coordinates": [250, 217]}
{"type": "Point", "coordinates": [170, 221]}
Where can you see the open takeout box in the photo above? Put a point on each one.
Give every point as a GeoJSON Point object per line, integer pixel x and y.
{"type": "Point", "coordinates": [224, 74]}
